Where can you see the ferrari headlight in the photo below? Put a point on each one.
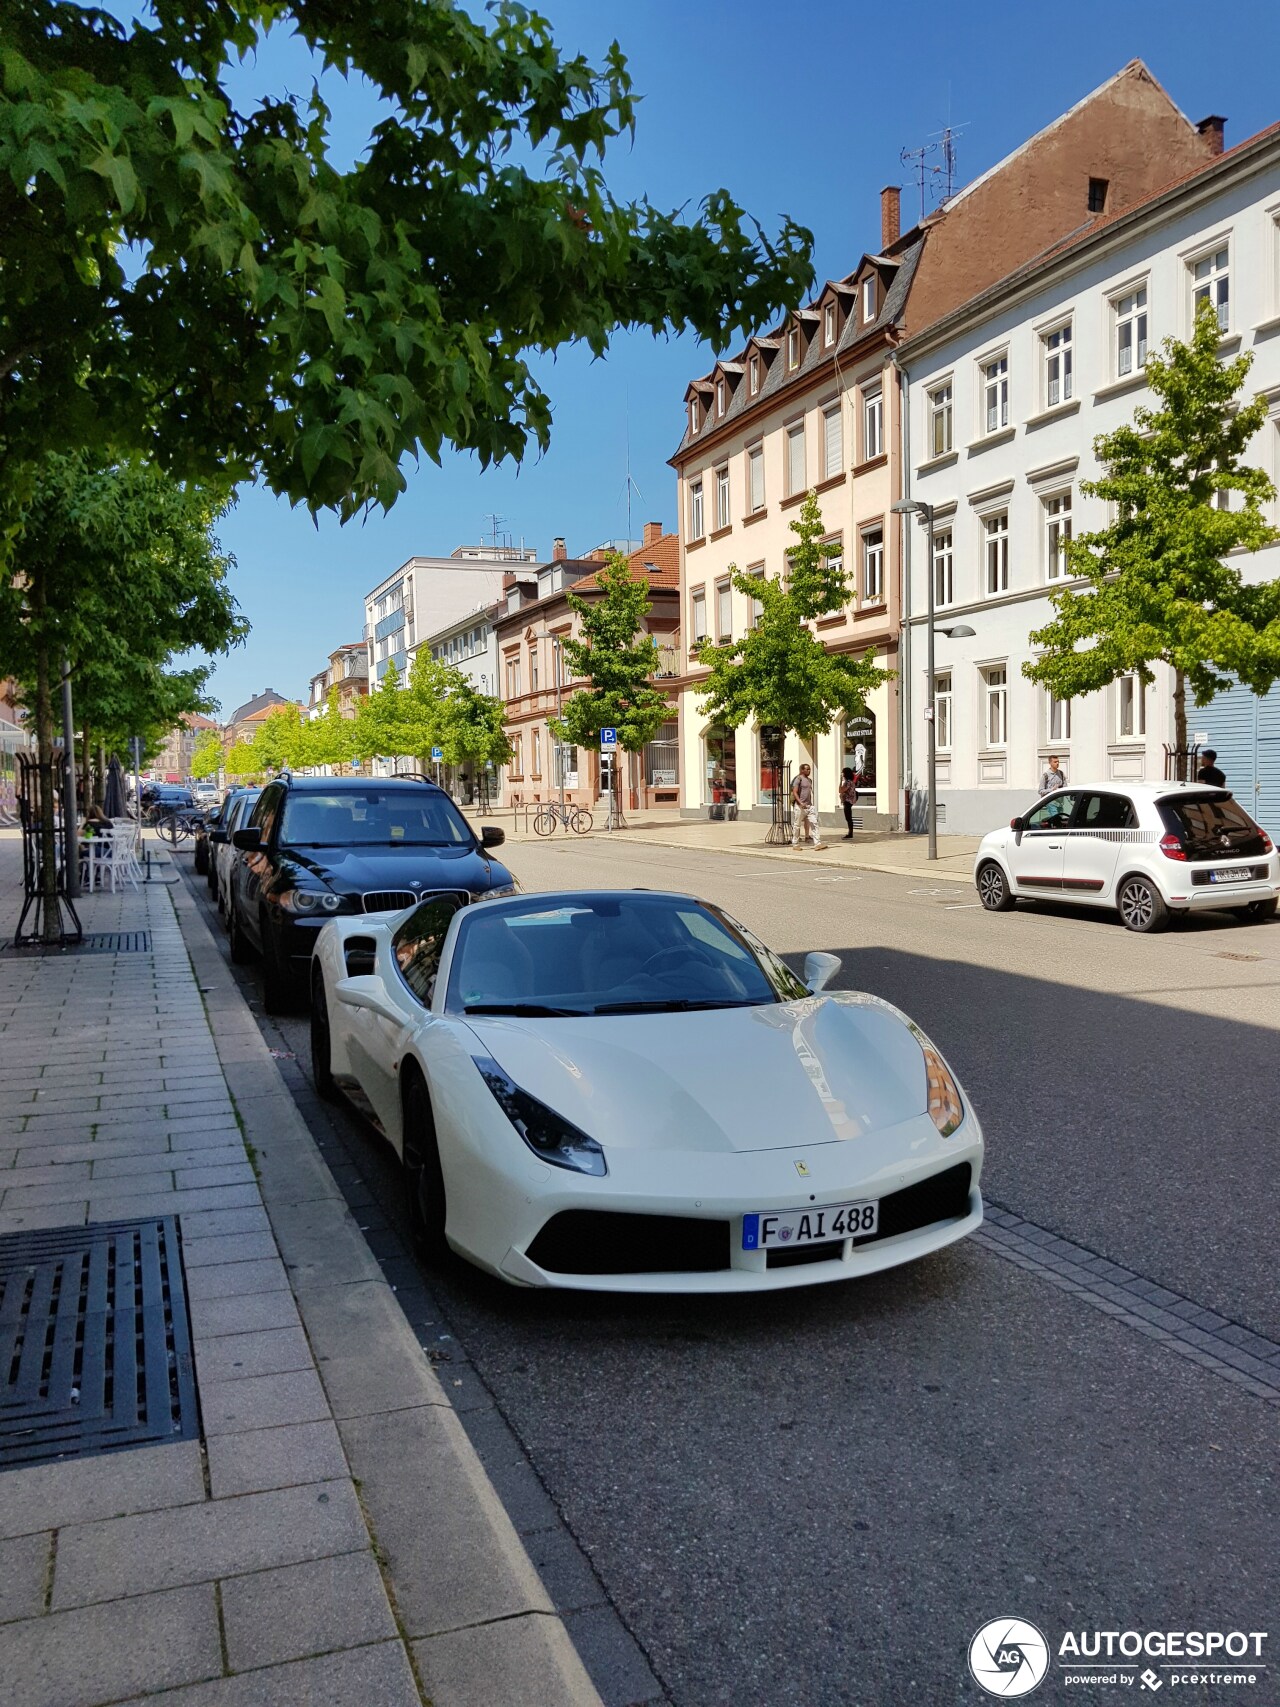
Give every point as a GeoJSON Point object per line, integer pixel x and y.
{"type": "Point", "coordinates": [946, 1110]}
{"type": "Point", "coordinates": [549, 1135]}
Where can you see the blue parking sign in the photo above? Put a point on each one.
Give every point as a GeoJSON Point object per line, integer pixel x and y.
{"type": "Point", "coordinates": [437, 753]}
{"type": "Point", "coordinates": [608, 739]}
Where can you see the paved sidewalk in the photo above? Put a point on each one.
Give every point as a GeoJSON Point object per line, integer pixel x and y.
{"type": "Point", "coordinates": [903, 855]}
{"type": "Point", "coordinates": [331, 1540]}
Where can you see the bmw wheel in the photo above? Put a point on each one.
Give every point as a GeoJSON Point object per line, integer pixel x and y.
{"type": "Point", "coordinates": [237, 946]}
{"type": "Point", "coordinates": [1141, 905]}
{"type": "Point", "coordinates": [321, 1071]}
{"type": "Point", "coordinates": [423, 1175]}
{"type": "Point", "coordinates": [993, 888]}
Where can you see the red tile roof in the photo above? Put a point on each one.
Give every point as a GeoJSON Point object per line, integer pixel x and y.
{"type": "Point", "coordinates": [664, 552]}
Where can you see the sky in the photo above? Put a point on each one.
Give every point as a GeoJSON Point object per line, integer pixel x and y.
{"type": "Point", "coordinates": [801, 113]}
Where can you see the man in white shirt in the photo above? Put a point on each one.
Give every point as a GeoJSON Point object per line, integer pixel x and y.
{"type": "Point", "coordinates": [804, 810]}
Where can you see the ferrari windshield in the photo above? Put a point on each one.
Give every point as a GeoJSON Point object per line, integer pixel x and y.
{"type": "Point", "coordinates": [373, 817]}
{"type": "Point", "coordinates": [621, 953]}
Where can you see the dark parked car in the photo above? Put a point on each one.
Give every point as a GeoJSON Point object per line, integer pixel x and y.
{"type": "Point", "coordinates": [210, 831]}
{"type": "Point", "coordinates": [317, 845]}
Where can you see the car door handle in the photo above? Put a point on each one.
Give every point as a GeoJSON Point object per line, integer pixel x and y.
{"type": "Point", "coordinates": [1053, 844]}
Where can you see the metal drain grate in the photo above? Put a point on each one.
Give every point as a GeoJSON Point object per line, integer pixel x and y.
{"type": "Point", "coordinates": [95, 1342]}
{"type": "Point", "coordinates": [100, 942]}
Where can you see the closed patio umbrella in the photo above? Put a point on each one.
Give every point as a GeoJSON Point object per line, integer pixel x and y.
{"type": "Point", "coordinates": [113, 794]}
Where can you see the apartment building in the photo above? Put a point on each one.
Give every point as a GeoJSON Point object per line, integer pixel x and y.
{"type": "Point", "coordinates": [530, 632]}
{"type": "Point", "coordinates": [348, 672]}
{"type": "Point", "coordinates": [1008, 394]}
{"type": "Point", "coordinates": [817, 403]}
{"type": "Point", "coordinates": [173, 762]}
{"type": "Point", "coordinates": [426, 594]}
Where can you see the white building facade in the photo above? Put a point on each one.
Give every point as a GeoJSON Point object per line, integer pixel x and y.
{"type": "Point", "coordinates": [1005, 399]}
{"type": "Point", "coordinates": [428, 594]}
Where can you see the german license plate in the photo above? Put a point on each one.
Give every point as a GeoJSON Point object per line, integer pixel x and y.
{"type": "Point", "coordinates": [1232, 874]}
{"type": "Point", "coordinates": [769, 1231]}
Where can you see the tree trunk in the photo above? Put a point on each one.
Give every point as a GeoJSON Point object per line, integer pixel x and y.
{"type": "Point", "coordinates": [51, 928]}
{"type": "Point", "coordinates": [1180, 725]}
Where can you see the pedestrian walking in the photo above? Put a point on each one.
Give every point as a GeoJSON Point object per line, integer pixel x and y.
{"type": "Point", "coordinates": [1209, 771]}
{"type": "Point", "coordinates": [1053, 776]}
{"type": "Point", "coordinates": [848, 799]}
{"type": "Point", "coordinates": [804, 810]}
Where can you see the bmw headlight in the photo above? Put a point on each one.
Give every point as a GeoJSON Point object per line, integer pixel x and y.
{"type": "Point", "coordinates": [310, 901]}
{"type": "Point", "coordinates": [493, 894]}
{"type": "Point", "coordinates": [549, 1135]}
{"type": "Point", "coordinates": [946, 1109]}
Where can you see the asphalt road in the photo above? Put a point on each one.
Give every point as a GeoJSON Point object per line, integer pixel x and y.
{"type": "Point", "coordinates": [817, 1497]}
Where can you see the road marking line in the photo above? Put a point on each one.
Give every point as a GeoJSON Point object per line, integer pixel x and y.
{"type": "Point", "coordinates": [962, 906]}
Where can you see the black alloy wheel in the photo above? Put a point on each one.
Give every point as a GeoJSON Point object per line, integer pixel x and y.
{"type": "Point", "coordinates": [321, 1072]}
{"type": "Point", "coordinates": [424, 1178]}
{"type": "Point", "coordinates": [238, 945]}
{"type": "Point", "coordinates": [993, 888]}
{"type": "Point", "coordinates": [1141, 906]}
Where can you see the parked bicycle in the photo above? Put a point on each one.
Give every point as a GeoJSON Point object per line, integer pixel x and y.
{"type": "Point", "coordinates": [575, 818]}
{"type": "Point", "coordinates": [177, 824]}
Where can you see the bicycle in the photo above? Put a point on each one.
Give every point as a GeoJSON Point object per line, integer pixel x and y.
{"type": "Point", "coordinates": [575, 818]}
{"type": "Point", "coordinates": [176, 824]}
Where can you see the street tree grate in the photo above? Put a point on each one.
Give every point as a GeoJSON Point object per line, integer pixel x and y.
{"type": "Point", "coordinates": [95, 1341]}
{"type": "Point", "coordinates": [99, 942]}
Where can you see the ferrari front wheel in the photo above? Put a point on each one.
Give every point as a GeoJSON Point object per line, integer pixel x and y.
{"type": "Point", "coordinates": [424, 1178]}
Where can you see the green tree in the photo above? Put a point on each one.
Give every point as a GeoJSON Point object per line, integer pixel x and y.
{"type": "Point", "coordinates": [201, 281]}
{"type": "Point", "coordinates": [280, 739]}
{"type": "Point", "coordinates": [330, 739]}
{"type": "Point", "coordinates": [380, 724]}
{"type": "Point", "coordinates": [1158, 589]}
{"type": "Point", "coordinates": [614, 655]}
{"type": "Point", "coordinates": [206, 755]}
{"type": "Point", "coordinates": [780, 673]}
{"type": "Point", "coordinates": [113, 569]}
{"type": "Point", "coordinates": [471, 731]}
{"type": "Point", "coordinates": [243, 763]}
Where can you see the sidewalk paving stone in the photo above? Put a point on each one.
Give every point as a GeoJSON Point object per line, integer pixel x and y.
{"type": "Point", "coordinates": [262, 1401]}
{"type": "Point", "coordinates": [374, 1676]}
{"type": "Point", "coordinates": [83, 1490]}
{"type": "Point", "coordinates": [24, 1570]}
{"type": "Point", "coordinates": [266, 1458]}
{"type": "Point", "coordinates": [297, 1610]}
{"type": "Point", "coordinates": [103, 1653]}
{"type": "Point", "coordinates": [227, 1278]}
{"type": "Point", "coordinates": [213, 1317]}
{"type": "Point", "coordinates": [519, 1662]}
{"type": "Point", "coordinates": [265, 1351]}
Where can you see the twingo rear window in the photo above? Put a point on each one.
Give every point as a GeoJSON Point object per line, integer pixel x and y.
{"type": "Point", "coordinates": [1211, 825]}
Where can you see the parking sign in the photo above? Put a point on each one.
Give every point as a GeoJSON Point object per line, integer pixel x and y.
{"type": "Point", "coordinates": [608, 740]}
{"type": "Point", "coordinates": [437, 753]}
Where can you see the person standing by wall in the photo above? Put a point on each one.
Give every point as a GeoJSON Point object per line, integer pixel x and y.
{"type": "Point", "coordinates": [804, 810]}
{"type": "Point", "coordinates": [848, 799]}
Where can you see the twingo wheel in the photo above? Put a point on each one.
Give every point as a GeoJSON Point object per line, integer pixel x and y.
{"type": "Point", "coordinates": [1258, 912]}
{"type": "Point", "coordinates": [424, 1178]}
{"type": "Point", "coordinates": [993, 888]}
{"type": "Point", "coordinates": [1141, 906]}
{"type": "Point", "coordinates": [321, 1071]}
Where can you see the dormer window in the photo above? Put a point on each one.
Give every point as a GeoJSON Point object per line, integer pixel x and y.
{"type": "Point", "coordinates": [869, 299]}
{"type": "Point", "coordinates": [693, 414]}
{"type": "Point", "coordinates": [793, 348]}
{"type": "Point", "coordinates": [753, 375]}
{"type": "Point", "coordinates": [722, 396]}
{"type": "Point", "coordinates": [829, 324]}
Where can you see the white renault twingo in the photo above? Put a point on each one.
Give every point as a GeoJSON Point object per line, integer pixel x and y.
{"type": "Point", "coordinates": [1150, 850]}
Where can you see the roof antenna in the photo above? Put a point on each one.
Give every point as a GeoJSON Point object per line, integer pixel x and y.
{"type": "Point", "coordinates": [630, 484]}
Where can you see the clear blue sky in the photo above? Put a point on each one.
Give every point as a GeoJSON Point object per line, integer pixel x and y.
{"type": "Point", "coordinates": [803, 112]}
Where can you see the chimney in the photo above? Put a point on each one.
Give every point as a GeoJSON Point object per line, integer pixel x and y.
{"type": "Point", "coordinates": [558, 552]}
{"type": "Point", "coordinates": [890, 215]}
{"type": "Point", "coordinates": [508, 580]}
{"type": "Point", "coordinates": [652, 533]}
{"type": "Point", "coordinates": [1212, 129]}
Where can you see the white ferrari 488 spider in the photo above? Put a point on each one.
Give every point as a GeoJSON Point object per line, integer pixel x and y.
{"type": "Point", "coordinates": [627, 1091]}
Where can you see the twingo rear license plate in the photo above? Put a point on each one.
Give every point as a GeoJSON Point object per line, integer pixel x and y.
{"type": "Point", "coordinates": [768, 1231]}
{"type": "Point", "coordinates": [1232, 874]}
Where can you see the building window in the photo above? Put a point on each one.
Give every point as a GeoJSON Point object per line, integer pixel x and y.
{"type": "Point", "coordinates": [995, 394]}
{"type": "Point", "coordinates": [1057, 366]}
{"type": "Point", "coordinates": [944, 584]}
{"type": "Point", "coordinates": [868, 299]}
{"type": "Point", "coordinates": [1131, 708]}
{"type": "Point", "coordinates": [1057, 720]}
{"type": "Point", "coordinates": [721, 767]}
{"type": "Point", "coordinates": [832, 442]}
{"type": "Point", "coordinates": [755, 478]}
{"type": "Point", "coordinates": [833, 552]}
{"type": "Point", "coordinates": [1211, 282]}
{"type": "Point", "coordinates": [753, 375]}
{"type": "Point", "coordinates": [535, 739]}
{"type": "Point", "coordinates": [829, 324]}
{"type": "Point", "coordinates": [793, 348]}
{"type": "Point", "coordinates": [724, 610]}
{"type": "Point", "coordinates": [795, 459]}
{"type": "Point", "coordinates": [997, 532]}
{"type": "Point", "coordinates": [533, 669]}
{"type": "Point", "coordinates": [513, 678]}
{"type": "Point", "coordinates": [1097, 195]}
{"type": "Point", "coordinates": [517, 755]}
{"type": "Point", "coordinates": [722, 396]}
{"type": "Point", "coordinates": [695, 509]}
{"type": "Point", "coordinates": [723, 517]}
{"type": "Point", "coordinates": [693, 414]}
{"type": "Point", "coordinates": [942, 711]}
{"type": "Point", "coordinates": [1057, 531]}
{"type": "Point", "coordinates": [698, 616]}
{"type": "Point", "coordinates": [940, 420]}
{"type": "Point", "coordinates": [873, 565]}
{"type": "Point", "coordinates": [757, 609]}
{"type": "Point", "coordinates": [995, 689]}
{"type": "Point", "coordinates": [1130, 313]}
{"type": "Point", "coordinates": [872, 423]}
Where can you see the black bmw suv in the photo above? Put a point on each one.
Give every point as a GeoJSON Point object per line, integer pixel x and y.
{"type": "Point", "coordinates": [319, 845]}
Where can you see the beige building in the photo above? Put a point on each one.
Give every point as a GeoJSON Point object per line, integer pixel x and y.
{"type": "Point", "coordinates": [817, 403]}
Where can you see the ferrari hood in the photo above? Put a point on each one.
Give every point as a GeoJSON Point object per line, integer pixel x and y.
{"type": "Point", "coordinates": [826, 1069]}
